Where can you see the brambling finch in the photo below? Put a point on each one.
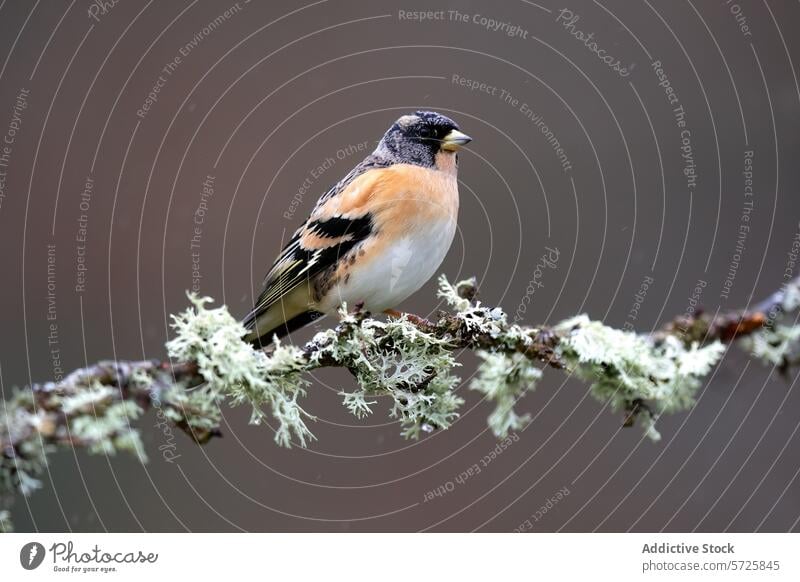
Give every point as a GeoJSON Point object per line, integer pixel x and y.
{"type": "Point", "coordinates": [375, 237]}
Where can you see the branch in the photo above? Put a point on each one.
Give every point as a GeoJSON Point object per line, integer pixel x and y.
{"type": "Point", "coordinates": [410, 359]}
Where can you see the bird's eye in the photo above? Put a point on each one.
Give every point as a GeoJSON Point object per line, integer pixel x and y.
{"type": "Point", "coordinates": [426, 131]}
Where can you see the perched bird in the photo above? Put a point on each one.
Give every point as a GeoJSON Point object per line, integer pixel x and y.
{"type": "Point", "coordinates": [375, 237]}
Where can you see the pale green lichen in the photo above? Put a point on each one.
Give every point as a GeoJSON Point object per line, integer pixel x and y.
{"type": "Point", "coordinates": [776, 344]}
{"type": "Point", "coordinates": [624, 367]}
{"type": "Point", "coordinates": [197, 408]}
{"type": "Point", "coordinates": [20, 471]}
{"type": "Point", "coordinates": [434, 407]}
{"type": "Point", "coordinates": [640, 374]}
{"type": "Point", "coordinates": [504, 379]}
{"type": "Point", "coordinates": [773, 345]}
{"type": "Point", "coordinates": [791, 298]}
{"type": "Point", "coordinates": [87, 401]}
{"type": "Point", "coordinates": [5, 522]}
{"type": "Point", "coordinates": [357, 403]}
{"type": "Point", "coordinates": [449, 293]}
{"type": "Point", "coordinates": [109, 430]}
{"type": "Point", "coordinates": [476, 318]}
{"type": "Point", "coordinates": [233, 369]}
{"type": "Point", "coordinates": [397, 359]}
{"type": "Point", "coordinates": [140, 379]}
{"type": "Point", "coordinates": [491, 321]}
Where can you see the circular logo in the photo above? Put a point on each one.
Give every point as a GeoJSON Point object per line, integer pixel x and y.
{"type": "Point", "coordinates": [31, 555]}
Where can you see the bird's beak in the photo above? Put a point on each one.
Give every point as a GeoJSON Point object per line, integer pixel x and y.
{"type": "Point", "coordinates": [453, 141]}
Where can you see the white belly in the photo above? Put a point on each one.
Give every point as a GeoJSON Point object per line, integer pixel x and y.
{"type": "Point", "coordinates": [402, 268]}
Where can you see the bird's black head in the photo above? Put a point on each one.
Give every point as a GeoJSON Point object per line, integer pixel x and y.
{"type": "Point", "coordinates": [418, 138]}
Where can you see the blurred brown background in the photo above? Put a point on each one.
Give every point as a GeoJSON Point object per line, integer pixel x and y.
{"type": "Point", "coordinates": [264, 94]}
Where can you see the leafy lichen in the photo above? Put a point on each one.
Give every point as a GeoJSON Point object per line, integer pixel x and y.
{"type": "Point", "coordinates": [395, 358]}
{"type": "Point", "coordinates": [197, 409]}
{"type": "Point", "coordinates": [411, 362]}
{"type": "Point", "coordinates": [110, 430]}
{"type": "Point", "coordinates": [233, 369]}
{"type": "Point", "coordinates": [491, 322]}
{"type": "Point", "coordinates": [625, 368]}
{"type": "Point", "coordinates": [504, 379]}
{"type": "Point", "coordinates": [774, 345]}
{"type": "Point", "coordinates": [92, 417]}
{"type": "Point", "coordinates": [5, 522]}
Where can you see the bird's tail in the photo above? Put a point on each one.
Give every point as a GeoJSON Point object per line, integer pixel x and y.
{"type": "Point", "coordinates": [260, 338]}
{"type": "Point", "coordinates": [279, 319]}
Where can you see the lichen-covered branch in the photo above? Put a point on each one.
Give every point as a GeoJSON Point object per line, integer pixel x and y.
{"type": "Point", "coordinates": [410, 359]}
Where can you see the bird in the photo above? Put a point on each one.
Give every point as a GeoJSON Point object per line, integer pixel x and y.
{"type": "Point", "coordinates": [374, 238]}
